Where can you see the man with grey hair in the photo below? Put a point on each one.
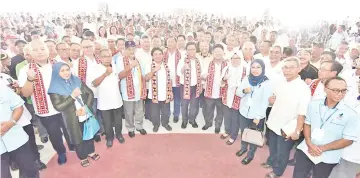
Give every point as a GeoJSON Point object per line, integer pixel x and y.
{"type": "Point", "coordinates": [289, 106]}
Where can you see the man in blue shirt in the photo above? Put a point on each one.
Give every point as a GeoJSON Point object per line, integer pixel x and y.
{"type": "Point", "coordinates": [329, 127]}
{"type": "Point", "coordinates": [14, 140]}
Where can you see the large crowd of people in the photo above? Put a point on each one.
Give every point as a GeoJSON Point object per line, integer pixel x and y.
{"type": "Point", "coordinates": [296, 91]}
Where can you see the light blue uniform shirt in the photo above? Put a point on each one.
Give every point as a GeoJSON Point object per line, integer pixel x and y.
{"type": "Point", "coordinates": [338, 123]}
{"type": "Point", "coordinates": [16, 136]}
{"type": "Point", "coordinates": [136, 74]}
{"type": "Point", "coordinates": [254, 104]}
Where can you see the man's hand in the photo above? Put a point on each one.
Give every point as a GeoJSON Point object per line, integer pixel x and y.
{"type": "Point", "coordinates": [134, 63]}
{"type": "Point", "coordinates": [293, 136]}
{"type": "Point", "coordinates": [6, 126]}
{"type": "Point", "coordinates": [247, 90]}
{"type": "Point", "coordinates": [31, 74]}
{"type": "Point", "coordinates": [314, 150]}
{"type": "Point", "coordinates": [204, 76]}
{"type": "Point", "coordinates": [256, 121]}
{"type": "Point", "coordinates": [272, 99]}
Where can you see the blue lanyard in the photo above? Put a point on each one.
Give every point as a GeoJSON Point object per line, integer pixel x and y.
{"type": "Point", "coordinates": [323, 116]}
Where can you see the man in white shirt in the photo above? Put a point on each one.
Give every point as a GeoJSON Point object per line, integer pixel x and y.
{"type": "Point", "coordinates": [157, 73]}
{"type": "Point", "coordinates": [133, 89]}
{"type": "Point", "coordinates": [143, 55]}
{"type": "Point", "coordinates": [189, 71]}
{"type": "Point", "coordinates": [286, 119]}
{"type": "Point", "coordinates": [211, 73]}
{"type": "Point", "coordinates": [35, 80]}
{"type": "Point", "coordinates": [109, 99]}
{"type": "Point", "coordinates": [264, 51]}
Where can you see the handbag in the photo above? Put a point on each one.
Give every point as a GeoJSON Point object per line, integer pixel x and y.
{"type": "Point", "coordinates": [91, 125]}
{"type": "Point", "coordinates": [254, 136]}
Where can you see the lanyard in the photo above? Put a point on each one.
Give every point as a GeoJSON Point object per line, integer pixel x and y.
{"type": "Point", "coordinates": [323, 116]}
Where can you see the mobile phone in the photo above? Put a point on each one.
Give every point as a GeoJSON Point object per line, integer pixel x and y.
{"type": "Point", "coordinates": [10, 81]}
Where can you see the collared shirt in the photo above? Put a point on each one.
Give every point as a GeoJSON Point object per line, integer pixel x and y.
{"type": "Point", "coordinates": [193, 77]}
{"type": "Point", "coordinates": [16, 136]}
{"type": "Point", "coordinates": [108, 91]}
{"type": "Point", "coordinates": [136, 75]}
{"type": "Point", "coordinates": [292, 99]}
{"type": "Point", "coordinates": [18, 68]}
{"type": "Point", "coordinates": [310, 72]}
{"type": "Point", "coordinates": [90, 71]}
{"type": "Point", "coordinates": [337, 123]}
{"type": "Point", "coordinates": [233, 82]}
{"type": "Point", "coordinates": [161, 82]}
{"type": "Point", "coordinates": [254, 104]}
{"type": "Point", "coordinates": [216, 80]}
{"type": "Point", "coordinates": [144, 59]}
{"type": "Point", "coordinates": [172, 67]}
{"type": "Point", "coordinates": [46, 72]}
{"type": "Point", "coordinates": [26, 116]}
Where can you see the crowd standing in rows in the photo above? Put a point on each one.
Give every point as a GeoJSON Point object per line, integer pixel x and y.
{"type": "Point", "coordinates": [305, 94]}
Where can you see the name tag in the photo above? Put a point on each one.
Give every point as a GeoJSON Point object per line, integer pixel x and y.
{"type": "Point", "coordinates": [318, 134]}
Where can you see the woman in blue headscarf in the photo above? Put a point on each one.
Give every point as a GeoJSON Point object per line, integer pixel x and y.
{"type": "Point", "coordinates": [254, 93]}
{"type": "Point", "coordinates": [68, 96]}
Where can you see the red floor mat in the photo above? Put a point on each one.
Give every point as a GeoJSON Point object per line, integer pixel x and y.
{"type": "Point", "coordinates": [164, 156]}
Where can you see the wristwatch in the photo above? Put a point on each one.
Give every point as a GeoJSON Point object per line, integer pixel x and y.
{"type": "Point", "coordinates": [13, 121]}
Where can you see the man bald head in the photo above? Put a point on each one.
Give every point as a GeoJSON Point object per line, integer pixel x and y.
{"type": "Point", "coordinates": [248, 50]}
{"type": "Point", "coordinates": [39, 51]}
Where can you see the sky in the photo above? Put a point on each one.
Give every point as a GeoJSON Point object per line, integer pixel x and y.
{"type": "Point", "coordinates": [288, 11]}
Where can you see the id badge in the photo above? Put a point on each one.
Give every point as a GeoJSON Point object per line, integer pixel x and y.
{"type": "Point", "coordinates": [250, 102]}
{"type": "Point", "coordinates": [318, 134]}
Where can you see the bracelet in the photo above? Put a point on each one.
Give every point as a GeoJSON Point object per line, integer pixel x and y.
{"type": "Point", "coordinates": [29, 80]}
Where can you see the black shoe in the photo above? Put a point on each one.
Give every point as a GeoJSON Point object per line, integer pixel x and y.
{"type": "Point", "coordinates": [194, 124]}
{"type": "Point", "coordinates": [142, 131]}
{"type": "Point", "coordinates": [265, 165]}
{"type": "Point", "coordinates": [44, 139]}
{"type": "Point", "coordinates": [97, 138]}
{"type": "Point", "coordinates": [176, 119]}
{"type": "Point", "coordinates": [183, 125]}
{"type": "Point", "coordinates": [14, 166]}
{"type": "Point", "coordinates": [246, 160]}
{"type": "Point", "coordinates": [62, 159]}
{"type": "Point", "coordinates": [206, 127]}
{"type": "Point", "coordinates": [291, 162]}
{"type": "Point", "coordinates": [156, 129]}
{"type": "Point", "coordinates": [120, 138]}
{"type": "Point", "coordinates": [240, 153]}
{"type": "Point", "coordinates": [132, 134]}
{"type": "Point", "coordinates": [230, 142]}
{"type": "Point", "coordinates": [167, 127]}
{"type": "Point", "coordinates": [40, 147]}
{"type": "Point", "coordinates": [109, 143]}
{"type": "Point", "coordinates": [224, 136]}
{"type": "Point", "coordinates": [40, 165]}
{"type": "Point", "coordinates": [217, 130]}
{"type": "Point", "coordinates": [71, 148]}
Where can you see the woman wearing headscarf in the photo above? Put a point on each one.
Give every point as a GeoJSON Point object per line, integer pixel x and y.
{"type": "Point", "coordinates": [254, 93]}
{"type": "Point", "coordinates": [68, 95]}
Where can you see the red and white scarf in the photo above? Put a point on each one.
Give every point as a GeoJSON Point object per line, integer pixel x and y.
{"type": "Point", "coordinates": [177, 59]}
{"type": "Point", "coordinates": [39, 90]}
{"type": "Point", "coordinates": [82, 67]}
{"type": "Point", "coordinates": [154, 84]}
{"type": "Point", "coordinates": [211, 76]}
{"type": "Point", "coordinates": [187, 79]}
{"type": "Point", "coordinates": [236, 102]}
{"type": "Point", "coordinates": [313, 86]}
{"type": "Point", "coordinates": [130, 82]}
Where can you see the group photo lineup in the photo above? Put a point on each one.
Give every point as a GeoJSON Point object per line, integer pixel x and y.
{"type": "Point", "coordinates": [180, 89]}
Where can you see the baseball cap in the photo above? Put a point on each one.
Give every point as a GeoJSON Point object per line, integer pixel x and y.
{"type": "Point", "coordinates": [129, 44]}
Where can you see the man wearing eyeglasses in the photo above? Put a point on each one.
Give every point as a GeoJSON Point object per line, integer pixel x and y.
{"type": "Point", "coordinates": [330, 126]}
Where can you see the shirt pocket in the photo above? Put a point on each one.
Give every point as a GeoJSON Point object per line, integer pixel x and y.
{"type": "Point", "coordinates": [338, 122]}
